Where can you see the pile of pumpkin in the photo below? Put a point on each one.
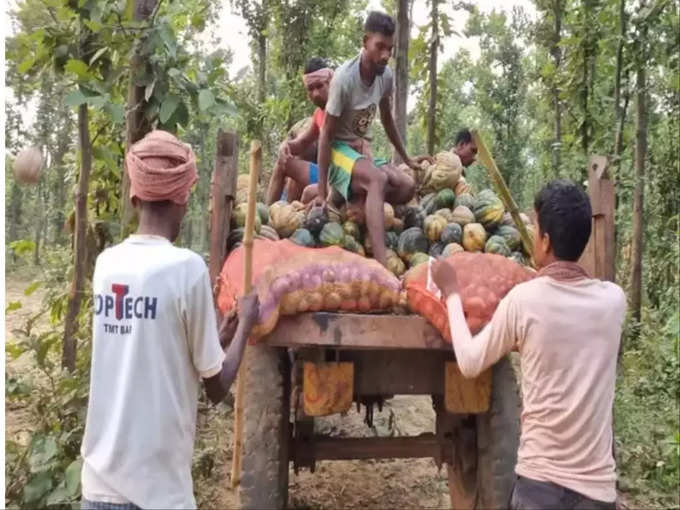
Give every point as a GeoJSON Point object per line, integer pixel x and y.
{"type": "Point", "coordinates": [447, 218]}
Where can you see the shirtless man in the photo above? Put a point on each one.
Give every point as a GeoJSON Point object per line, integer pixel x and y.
{"type": "Point", "coordinates": [297, 157]}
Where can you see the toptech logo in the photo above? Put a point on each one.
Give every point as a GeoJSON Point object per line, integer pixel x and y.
{"type": "Point", "coordinates": [123, 306]}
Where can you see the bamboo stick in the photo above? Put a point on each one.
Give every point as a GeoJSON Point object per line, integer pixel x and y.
{"type": "Point", "coordinates": [255, 162]}
{"type": "Point", "coordinates": [485, 158]}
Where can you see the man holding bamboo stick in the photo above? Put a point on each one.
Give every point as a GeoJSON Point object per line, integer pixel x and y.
{"type": "Point", "coordinates": [155, 337]}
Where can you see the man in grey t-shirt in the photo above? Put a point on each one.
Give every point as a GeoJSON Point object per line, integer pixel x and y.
{"type": "Point", "coordinates": [359, 88]}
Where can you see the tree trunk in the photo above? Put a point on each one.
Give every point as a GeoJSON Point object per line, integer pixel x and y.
{"type": "Point", "coordinates": [640, 157]}
{"type": "Point", "coordinates": [434, 50]}
{"type": "Point", "coordinates": [136, 125]}
{"type": "Point", "coordinates": [69, 346]}
{"type": "Point", "coordinates": [556, 53]}
{"type": "Point", "coordinates": [14, 212]}
{"type": "Point", "coordinates": [261, 79]}
{"type": "Point", "coordinates": [620, 110]}
{"type": "Point", "coordinates": [401, 73]}
{"type": "Point", "coordinates": [39, 224]}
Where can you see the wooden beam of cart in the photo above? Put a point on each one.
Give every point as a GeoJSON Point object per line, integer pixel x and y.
{"type": "Point", "coordinates": [356, 331]}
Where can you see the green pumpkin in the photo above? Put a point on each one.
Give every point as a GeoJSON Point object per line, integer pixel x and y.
{"type": "Point", "coordinates": [436, 249]}
{"type": "Point", "coordinates": [511, 236]}
{"type": "Point", "coordinates": [518, 257]}
{"type": "Point", "coordinates": [262, 212]}
{"type": "Point", "coordinates": [418, 258]}
{"type": "Point", "coordinates": [412, 240]}
{"type": "Point", "coordinates": [488, 209]}
{"type": "Point", "coordinates": [303, 237]}
{"type": "Point", "coordinates": [332, 234]}
{"type": "Point", "coordinates": [465, 199]}
{"type": "Point", "coordinates": [267, 232]}
{"type": "Point", "coordinates": [351, 244]}
{"type": "Point", "coordinates": [496, 244]}
{"type": "Point", "coordinates": [395, 264]}
{"type": "Point", "coordinates": [434, 224]}
{"type": "Point", "coordinates": [447, 214]}
{"type": "Point", "coordinates": [352, 229]}
{"type": "Point", "coordinates": [316, 219]}
{"type": "Point", "coordinates": [474, 237]}
{"type": "Point", "coordinates": [452, 248]}
{"type": "Point", "coordinates": [445, 199]}
{"type": "Point", "coordinates": [391, 240]}
{"type": "Point", "coordinates": [452, 233]}
{"type": "Point", "coordinates": [463, 215]}
{"type": "Point", "coordinates": [235, 237]}
{"type": "Point", "coordinates": [428, 203]}
{"type": "Point", "coordinates": [414, 216]}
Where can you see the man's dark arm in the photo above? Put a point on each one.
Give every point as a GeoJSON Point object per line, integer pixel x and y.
{"type": "Point", "coordinates": [301, 143]}
{"type": "Point", "coordinates": [327, 134]}
{"type": "Point", "coordinates": [217, 386]}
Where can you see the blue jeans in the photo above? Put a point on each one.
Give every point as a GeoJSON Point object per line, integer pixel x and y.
{"type": "Point", "coordinates": [528, 494]}
{"type": "Point", "coordinates": [100, 505]}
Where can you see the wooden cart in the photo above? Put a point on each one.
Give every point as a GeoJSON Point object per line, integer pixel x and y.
{"type": "Point", "coordinates": [317, 363]}
{"type": "Point", "coordinates": [388, 355]}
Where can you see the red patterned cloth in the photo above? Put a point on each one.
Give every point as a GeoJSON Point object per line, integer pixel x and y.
{"type": "Point", "coordinates": [161, 167]}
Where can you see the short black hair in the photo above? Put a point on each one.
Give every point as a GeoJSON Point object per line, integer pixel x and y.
{"type": "Point", "coordinates": [380, 23]}
{"type": "Point", "coordinates": [314, 64]}
{"type": "Point", "coordinates": [463, 136]}
{"type": "Point", "coordinates": [564, 213]}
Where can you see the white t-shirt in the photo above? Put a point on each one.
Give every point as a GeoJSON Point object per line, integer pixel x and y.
{"type": "Point", "coordinates": [154, 338]}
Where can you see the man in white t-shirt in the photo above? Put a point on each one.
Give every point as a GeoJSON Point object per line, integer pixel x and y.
{"type": "Point", "coordinates": [155, 338]}
{"type": "Point", "coordinates": [567, 329]}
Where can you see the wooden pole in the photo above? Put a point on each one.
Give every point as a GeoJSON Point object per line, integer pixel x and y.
{"type": "Point", "coordinates": [222, 198]}
{"type": "Point", "coordinates": [485, 158]}
{"type": "Point", "coordinates": [255, 162]}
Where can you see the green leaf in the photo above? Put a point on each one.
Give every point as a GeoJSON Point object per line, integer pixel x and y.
{"type": "Point", "coordinates": [12, 306]}
{"type": "Point", "coordinates": [97, 101]}
{"type": "Point", "coordinates": [22, 247]}
{"type": "Point", "coordinates": [75, 98]}
{"type": "Point", "coordinates": [72, 477]}
{"type": "Point", "coordinates": [206, 99]}
{"type": "Point", "coordinates": [77, 67]}
{"type": "Point", "coordinates": [168, 107]}
{"type": "Point", "coordinates": [32, 288]}
{"type": "Point", "coordinates": [37, 487]}
{"type": "Point", "coordinates": [59, 496]}
{"type": "Point", "coordinates": [148, 90]}
{"type": "Point", "coordinates": [13, 350]}
{"type": "Point", "coordinates": [116, 111]}
{"type": "Point", "coordinates": [99, 53]}
{"type": "Point", "coordinates": [173, 72]}
{"type": "Point", "coordinates": [43, 450]}
{"type": "Point", "coordinates": [26, 64]}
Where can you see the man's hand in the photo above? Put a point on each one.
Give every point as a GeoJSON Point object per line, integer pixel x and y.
{"type": "Point", "coordinates": [419, 159]}
{"type": "Point", "coordinates": [415, 163]}
{"type": "Point", "coordinates": [248, 311]}
{"type": "Point", "coordinates": [318, 201]}
{"type": "Point", "coordinates": [227, 329]}
{"type": "Point", "coordinates": [444, 276]}
{"type": "Point", "coordinates": [284, 152]}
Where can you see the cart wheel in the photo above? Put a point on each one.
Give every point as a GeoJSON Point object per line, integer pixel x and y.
{"type": "Point", "coordinates": [266, 429]}
{"type": "Point", "coordinates": [483, 470]}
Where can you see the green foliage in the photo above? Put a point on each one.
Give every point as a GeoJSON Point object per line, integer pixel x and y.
{"type": "Point", "coordinates": [646, 411]}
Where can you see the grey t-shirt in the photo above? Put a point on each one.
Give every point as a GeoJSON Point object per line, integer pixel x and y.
{"type": "Point", "coordinates": [355, 102]}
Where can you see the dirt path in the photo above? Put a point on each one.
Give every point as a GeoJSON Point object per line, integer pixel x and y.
{"type": "Point", "coordinates": [17, 420]}
{"type": "Point", "coordinates": [407, 483]}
